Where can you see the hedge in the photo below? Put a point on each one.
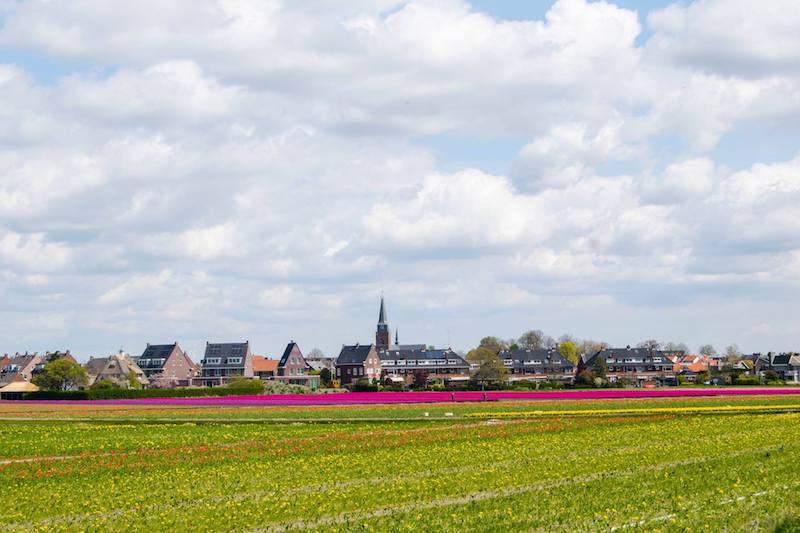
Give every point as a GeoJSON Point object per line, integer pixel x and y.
{"type": "Point", "coordinates": [132, 394]}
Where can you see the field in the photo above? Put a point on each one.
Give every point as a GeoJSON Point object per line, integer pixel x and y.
{"type": "Point", "coordinates": [725, 463]}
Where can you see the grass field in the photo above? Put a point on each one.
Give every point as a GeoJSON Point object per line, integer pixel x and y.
{"type": "Point", "coordinates": [667, 464]}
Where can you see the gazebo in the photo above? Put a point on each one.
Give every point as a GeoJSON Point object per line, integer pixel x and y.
{"type": "Point", "coordinates": [17, 387]}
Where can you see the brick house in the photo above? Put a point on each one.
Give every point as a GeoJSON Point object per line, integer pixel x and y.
{"type": "Point", "coordinates": [221, 362]}
{"type": "Point", "coordinates": [293, 368]}
{"type": "Point", "coordinates": [356, 362]}
{"type": "Point", "coordinates": [537, 365]}
{"type": "Point", "coordinates": [167, 365]}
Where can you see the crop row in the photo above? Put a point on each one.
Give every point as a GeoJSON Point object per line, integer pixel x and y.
{"type": "Point", "coordinates": [584, 473]}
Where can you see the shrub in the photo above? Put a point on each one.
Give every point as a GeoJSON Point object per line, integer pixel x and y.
{"type": "Point", "coordinates": [240, 383]}
{"type": "Point", "coordinates": [363, 385]}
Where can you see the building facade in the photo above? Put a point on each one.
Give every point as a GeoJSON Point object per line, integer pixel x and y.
{"type": "Point", "coordinates": [293, 369]}
{"type": "Point", "coordinates": [537, 365]}
{"type": "Point", "coordinates": [356, 362]}
{"type": "Point", "coordinates": [167, 365]}
{"type": "Point", "coordinates": [224, 361]}
{"type": "Point", "coordinates": [403, 365]}
{"type": "Point", "coordinates": [636, 365]}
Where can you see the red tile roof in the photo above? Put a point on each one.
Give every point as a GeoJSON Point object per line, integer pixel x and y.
{"type": "Point", "coordinates": [263, 364]}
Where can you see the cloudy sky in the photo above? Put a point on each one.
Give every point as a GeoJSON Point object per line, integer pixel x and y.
{"type": "Point", "coordinates": [227, 170]}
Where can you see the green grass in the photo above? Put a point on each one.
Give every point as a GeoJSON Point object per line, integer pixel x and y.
{"type": "Point", "coordinates": [558, 473]}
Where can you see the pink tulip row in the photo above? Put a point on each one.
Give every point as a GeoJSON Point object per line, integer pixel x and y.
{"type": "Point", "coordinates": [433, 397]}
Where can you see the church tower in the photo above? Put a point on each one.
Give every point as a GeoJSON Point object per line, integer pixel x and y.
{"type": "Point", "coordinates": [382, 332]}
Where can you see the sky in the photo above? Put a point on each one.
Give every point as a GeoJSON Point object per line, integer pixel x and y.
{"type": "Point", "coordinates": [261, 170]}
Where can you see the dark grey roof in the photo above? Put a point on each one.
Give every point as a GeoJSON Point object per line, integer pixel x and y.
{"type": "Point", "coordinates": [155, 355]}
{"type": "Point", "coordinates": [547, 357]}
{"type": "Point", "coordinates": [224, 351]}
{"type": "Point", "coordinates": [645, 354]}
{"type": "Point", "coordinates": [781, 359]}
{"type": "Point", "coordinates": [354, 355]}
{"type": "Point", "coordinates": [395, 354]}
{"type": "Point", "coordinates": [287, 352]}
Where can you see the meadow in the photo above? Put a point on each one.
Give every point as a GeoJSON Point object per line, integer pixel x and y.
{"type": "Point", "coordinates": [725, 463]}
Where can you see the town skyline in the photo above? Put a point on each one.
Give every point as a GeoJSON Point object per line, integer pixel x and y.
{"type": "Point", "coordinates": [262, 170]}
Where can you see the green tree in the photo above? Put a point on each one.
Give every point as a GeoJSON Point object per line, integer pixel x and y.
{"type": "Point", "coordinates": [133, 380]}
{"type": "Point", "coordinates": [325, 377]}
{"type": "Point", "coordinates": [569, 351]}
{"type": "Point", "coordinates": [493, 343]}
{"type": "Point", "coordinates": [61, 374]}
{"type": "Point", "coordinates": [600, 367]}
{"type": "Point", "coordinates": [489, 365]}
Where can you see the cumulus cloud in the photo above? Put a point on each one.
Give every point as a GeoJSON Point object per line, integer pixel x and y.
{"type": "Point", "coordinates": [244, 168]}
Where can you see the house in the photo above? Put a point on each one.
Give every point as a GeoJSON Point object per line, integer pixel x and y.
{"type": "Point", "coordinates": [293, 369]}
{"type": "Point", "coordinates": [689, 366]}
{"type": "Point", "coordinates": [49, 357]}
{"type": "Point", "coordinates": [17, 388]}
{"type": "Point", "coordinates": [780, 363]}
{"type": "Point", "coordinates": [18, 364]}
{"type": "Point", "coordinates": [637, 365]}
{"type": "Point", "coordinates": [546, 364]}
{"type": "Point", "coordinates": [793, 371]}
{"type": "Point", "coordinates": [357, 361]}
{"type": "Point", "coordinates": [221, 362]}
{"type": "Point", "coordinates": [119, 369]}
{"type": "Point", "coordinates": [264, 368]}
{"type": "Point", "coordinates": [167, 365]}
{"type": "Point", "coordinates": [441, 365]}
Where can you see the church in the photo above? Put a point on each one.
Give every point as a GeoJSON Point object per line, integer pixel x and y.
{"type": "Point", "coordinates": [401, 362]}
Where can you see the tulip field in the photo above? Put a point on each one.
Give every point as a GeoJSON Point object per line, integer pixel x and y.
{"type": "Point", "coordinates": [667, 464]}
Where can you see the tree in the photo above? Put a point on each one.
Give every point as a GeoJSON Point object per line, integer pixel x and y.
{"type": "Point", "coordinates": [420, 377]}
{"type": "Point", "coordinates": [133, 381]}
{"type": "Point", "coordinates": [732, 354]}
{"type": "Point", "coordinates": [493, 343]}
{"type": "Point", "coordinates": [650, 344]}
{"type": "Point", "coordinates": [676, 347]}
{"type": "Point", "coordinates": [589, 347]}
{"type": "Point", "coordinates": [549, 342]}
{"type": "Point", "coordinates": [315, 353]}
{"type": "Point", "coordinates": [707, 350]}
{"type": "Point", "coordinates": [569, 351]}
{"type": "Point", "coordinates": [489, 365]}
{"type": "Point", "coordinates": [62, 374]}
{"type": "Point", "coordinates": [532, 340]}
{"type": "Point", "coordinates": [600, 367]}
{"type": "Point", "coordinates": [325, 377]}
{"type": "Point", "coordinates": [566, 337]}
{"type": "Point", "coordinates": [513, 346]}
{"type": "Point", "coordinates": [104, 384]}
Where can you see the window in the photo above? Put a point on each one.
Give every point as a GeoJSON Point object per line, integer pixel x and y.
{"type": "Point", "coordinates": [338, 371]}
{"type": "Point", "coordinates": [234, 360]}
{"type": "Point", "coordinates": [212, 361]}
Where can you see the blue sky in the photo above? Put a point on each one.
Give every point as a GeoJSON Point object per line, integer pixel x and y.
{"type": "Point", "coordinates": [252, 171]}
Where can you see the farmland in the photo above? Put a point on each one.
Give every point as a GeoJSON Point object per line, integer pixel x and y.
{"type": "Point", "coordinates": [667, 464]}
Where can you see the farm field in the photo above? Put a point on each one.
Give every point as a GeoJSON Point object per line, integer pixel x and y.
{"type": "Point", "coordinates": [658, 464]}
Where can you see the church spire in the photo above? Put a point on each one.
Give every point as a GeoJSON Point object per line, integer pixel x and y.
{"type": "Point", "coordinates": [382, 313]}
{"type": "Point", "coordinates": [396, 336]}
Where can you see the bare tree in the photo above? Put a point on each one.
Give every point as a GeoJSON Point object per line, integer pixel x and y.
{"type": "Point", "coordinates": [531, 340]}
{"type": "Point", "coordinates": [732, 354]}
{"type": "Point", "coordinates": [676, 347]}
{"type": "Point", "coordinates": [707, 350]}
{"type": "Point", "coordinates": [650, 344]}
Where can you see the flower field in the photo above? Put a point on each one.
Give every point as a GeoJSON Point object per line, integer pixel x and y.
{"type": "Point", "coordinates": [657, 464]}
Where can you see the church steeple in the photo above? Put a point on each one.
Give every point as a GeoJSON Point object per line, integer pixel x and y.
{"type": "Point", "coordinates": [382, 313]}
{"type": "Point", "coordinates": [382, 331]}
{"type": "Point", "coordinates": [396, 336]}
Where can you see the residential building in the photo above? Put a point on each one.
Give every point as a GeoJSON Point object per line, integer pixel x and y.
{"type": "Point", "coordinates": [546, 364]}
{"type": "Point", "coordinates": [264, 368]}
{"type": "Point", "coordinates": [443, 365]}
{"type": "Point", "coordinates": [119, 369]}
{"type": "Point", "coordinates": [17, 388]}
{"type": "Point", "coordinates": [49, 357]}
{"type": "Point", "coordinates": [222, 362]}
{"type": "Point", "coordinates": [637, 365]}
{"type": "Point", "coordinates": [358, 361]}
{"type": "Point", "coordinates": [689, 366]}
{"type": "Point", "coordinates": [18, 365]}
{"type": "Point", "coordinates": [167, 365]}
{"type": "Point", "coordinates": [293, 369]}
